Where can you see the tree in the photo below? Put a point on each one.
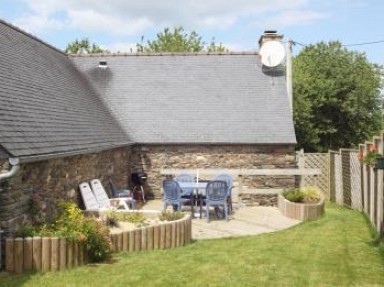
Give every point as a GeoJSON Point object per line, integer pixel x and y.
{"type": "Point", "coordinates": [178, 41]}
{"type": "Point", "coordinates": [84, 45]}
{"type": "Point", "coordinates": [337, 99]}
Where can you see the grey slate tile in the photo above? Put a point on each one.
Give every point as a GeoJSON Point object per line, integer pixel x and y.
{"type": "Point", "coordinates": [193, 98]}
{"type": "Point", "coordinates": [47, 106]}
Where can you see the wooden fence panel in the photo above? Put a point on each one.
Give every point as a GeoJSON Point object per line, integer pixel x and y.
{"type": "Point", "coordinates": [316, 161]}
{"type": "Point", "coordinates": [355, 173]}
{"type": "Point", "coordinates": [338, 180]}
{"type": "Point", "coordinates": [346, 177]}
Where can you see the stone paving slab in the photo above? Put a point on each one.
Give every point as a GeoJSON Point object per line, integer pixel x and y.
{"type": "Point", "coordinates": [243, 221]}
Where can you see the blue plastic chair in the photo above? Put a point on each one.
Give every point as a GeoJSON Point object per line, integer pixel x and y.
{"type": "Point", "coordinates": [122, 193]}
{"type": "Point", "coordinates": [216, 196]}
{"type": "Point", "coordinates": [185, 177]}
{"type": "Point", "coordinates": [228, 179]}
{"type": "Point", "coordinates": [172, 194]}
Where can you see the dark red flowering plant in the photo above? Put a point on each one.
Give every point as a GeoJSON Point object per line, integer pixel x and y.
{"type": "Point", "coordinates": [372, 155]}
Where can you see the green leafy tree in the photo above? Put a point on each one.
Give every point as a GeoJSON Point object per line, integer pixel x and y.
{"type": "Point", "coordinates": [337, 100]}
{"type": "Point", "coordinates": [178, 41]}
{"type": "Point", "coordinates": [84, 45]}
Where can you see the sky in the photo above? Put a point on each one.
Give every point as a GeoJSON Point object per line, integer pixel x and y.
{"type": "Point", "coordinates": [117, 25]}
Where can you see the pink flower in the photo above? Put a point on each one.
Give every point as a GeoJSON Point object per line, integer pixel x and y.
{"type": "Point", "coordinates": [372, 147]}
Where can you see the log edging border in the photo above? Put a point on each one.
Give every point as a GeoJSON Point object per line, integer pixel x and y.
{"type": "Point", "coordinates": [45, 254]}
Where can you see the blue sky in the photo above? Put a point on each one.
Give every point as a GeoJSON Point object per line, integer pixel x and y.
{"type": "Point", "coordinates": [118, 25]}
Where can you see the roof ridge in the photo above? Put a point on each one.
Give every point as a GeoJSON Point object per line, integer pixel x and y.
{"type": "Point", "coordinates": [32, 36]}
{"type": "Point", "coordinates": [249, 53]}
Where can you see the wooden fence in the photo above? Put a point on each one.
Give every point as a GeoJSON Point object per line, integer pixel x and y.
{"type": "Point", "coordinates": [345, 178]}
{"type": "Point", "coordinates": [52, 254]}
{"type": "Point", "coordinates": [319, 161]}
{"type": "Point", "coordinates": [351, 182]}
{"type": "Point", "coordinates": [372, 185]}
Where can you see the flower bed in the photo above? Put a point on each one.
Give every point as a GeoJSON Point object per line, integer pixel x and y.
{"type": "Point", "coordinates": [301, 211]}
{"type": "Point", "coordinates": [52, 253]}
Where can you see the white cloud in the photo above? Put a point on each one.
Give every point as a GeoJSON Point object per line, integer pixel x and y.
{"type": "Point", "coordinates": [39, 23]}
{"type": "Point", "coordinates": [123, 17]}
{"type": "Point", "coordinates": [218, 22]}
{"type": "Point", "coordinates": [294, 17]}
{"type": "Point", "coordinates": [90, 20]}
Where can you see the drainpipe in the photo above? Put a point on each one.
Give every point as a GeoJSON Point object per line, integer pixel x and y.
{"type": "Point", "coordinates": [289, 74]}
{"type": "Point", "coordinates": [14, 161]}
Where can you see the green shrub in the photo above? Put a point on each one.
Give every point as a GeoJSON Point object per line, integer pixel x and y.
{"type": "Point", "coordinates": [294, 195]}
{"type": "Point", "coordinates": [171, 215]}
{"type": "Point", "coordinates": [71, 224]}
{"type": "Point", "coordinates": [311, 193]}
{"type": "Point", "coordinates": [305, 194]}
{"type": "Point", "coordinates": [133, 217]}
{"type": "Point", "coordinates": [98, 241]}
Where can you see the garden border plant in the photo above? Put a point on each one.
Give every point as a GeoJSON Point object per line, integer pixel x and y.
{"type": "Point", "coordinates": [71, 223]}
{"type": "Point", "coordinates": [76, 237]}
{"type": "Point", "coordinates": [305, 203]}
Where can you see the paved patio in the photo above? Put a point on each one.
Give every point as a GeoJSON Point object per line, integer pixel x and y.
{"type": "Point", "coordinates": [243, 221]}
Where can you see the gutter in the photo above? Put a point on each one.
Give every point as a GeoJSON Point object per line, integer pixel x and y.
{"type": "Point", "coordinates": [41, 157]}
{"type": "Point", "coordinates": [15, 162]}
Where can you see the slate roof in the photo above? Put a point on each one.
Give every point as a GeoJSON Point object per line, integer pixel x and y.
{"type": "Point", "coordinates": [46, 105]}
{"type": "Point", "coordinates": [193, 98]}
{"type": "Point", "coordinates": [52, 104]}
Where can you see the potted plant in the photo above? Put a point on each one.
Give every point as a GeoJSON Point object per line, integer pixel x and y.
{"type": "Point", "coordinates": [306, 203]}
{"type": "Point", "coordinates": [374, 158]}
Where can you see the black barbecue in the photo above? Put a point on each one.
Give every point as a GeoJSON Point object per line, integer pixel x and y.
{"type": "Point", "coordinates": [139, 178]}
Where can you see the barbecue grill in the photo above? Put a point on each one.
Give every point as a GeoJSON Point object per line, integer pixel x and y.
{"type": "Point", "coordinates": [139, 178]}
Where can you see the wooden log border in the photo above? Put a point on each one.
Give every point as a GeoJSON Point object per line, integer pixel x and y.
{"type": "Point", "coordinates": [55, 254]}
{"type": "Point", "coordinates": [300, 211]}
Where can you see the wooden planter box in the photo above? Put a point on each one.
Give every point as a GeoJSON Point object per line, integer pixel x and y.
{"type": "Point", "coordinates": [301, 211]}
{"type": "Point", "coordinates": [52, 253]}
{"type": "Point", "coordinates": [379, 163]}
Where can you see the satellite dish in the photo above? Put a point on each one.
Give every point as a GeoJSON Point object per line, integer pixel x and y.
{"type": "Point", "coordinates": [272, 53]}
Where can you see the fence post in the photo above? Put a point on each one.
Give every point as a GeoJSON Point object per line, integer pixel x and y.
{"type": "Point", "coordinates": [379, 190]}
{"type": "Point", "coordinates": [332, 179]}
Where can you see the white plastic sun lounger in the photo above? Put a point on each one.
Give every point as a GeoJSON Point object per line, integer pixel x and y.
{"type": "Point", "coordinates": [97, 199]}
{"type": "Point", "coordinates": [89, 199]}
{"type": "Point", "coordinates": [103, 199]}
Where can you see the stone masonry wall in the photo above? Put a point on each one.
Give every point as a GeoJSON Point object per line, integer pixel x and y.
{"type": "Point", "coordinates": [152, 158]}
{"type": "Point", "coordinates": [55, 179]}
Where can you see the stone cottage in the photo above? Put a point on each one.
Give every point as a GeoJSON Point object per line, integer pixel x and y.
{"type": "Point", "coordinates": [65, 119]}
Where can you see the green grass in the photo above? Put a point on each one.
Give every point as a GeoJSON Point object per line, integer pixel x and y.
{"type": "Point", "coordinates": [337, 250]}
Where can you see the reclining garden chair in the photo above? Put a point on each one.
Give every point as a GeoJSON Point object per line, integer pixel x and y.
{"type": "Point", "coordinates": [89, 199]}
{"type": "Point", "coordinates": [103, 199]}
{"type": "Point", "coordinates": [124, 194]}
{"type": "Point", "coordinates": [99, 202]}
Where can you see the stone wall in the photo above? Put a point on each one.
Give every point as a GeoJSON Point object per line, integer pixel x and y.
{"type": "Point", "coordinates": [152, 158]}
{"type": "Point", "coordinates": [258, 199]}
{"type": "Point", "coordinates": [50, 180]}
{"type": "Point", "coordinates": [55, 179]}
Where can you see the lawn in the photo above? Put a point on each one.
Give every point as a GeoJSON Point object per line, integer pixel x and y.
{"type": "Point", "coordinates": [337, 250]}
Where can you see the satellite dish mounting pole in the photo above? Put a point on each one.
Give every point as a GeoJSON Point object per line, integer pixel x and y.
{"type": "Point", "coordinates": [289, 72]}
